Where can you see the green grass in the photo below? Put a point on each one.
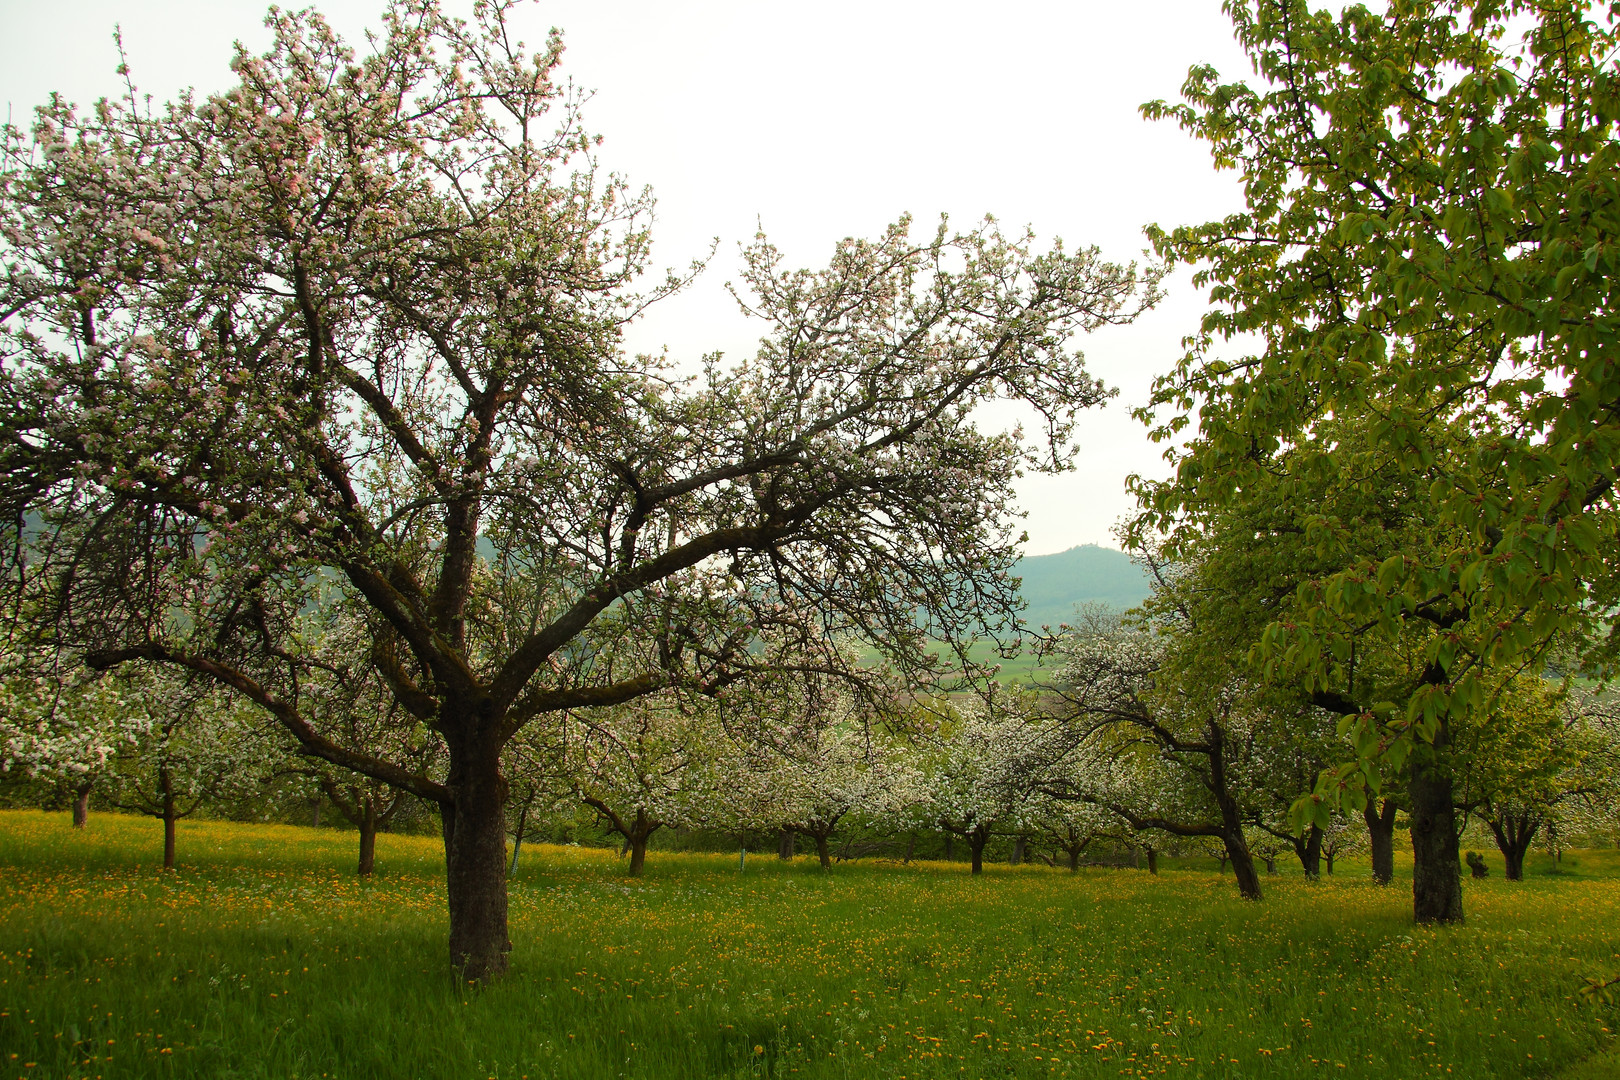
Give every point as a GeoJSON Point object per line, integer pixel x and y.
{"type": "Point", "coordinates": [262, 956]}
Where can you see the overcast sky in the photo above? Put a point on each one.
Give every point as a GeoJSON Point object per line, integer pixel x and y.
{"type": "Point", "coordinates": [819, 121]}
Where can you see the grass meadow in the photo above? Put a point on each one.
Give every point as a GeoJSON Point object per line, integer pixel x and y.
{"type": "Point", "coordinates": [264, 956]}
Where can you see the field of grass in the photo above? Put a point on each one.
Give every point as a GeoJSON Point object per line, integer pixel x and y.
{"type": "Point", "coordinates": [263, 956]}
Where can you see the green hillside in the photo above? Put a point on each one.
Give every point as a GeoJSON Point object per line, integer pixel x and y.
{"type": "Point", "coordinates": [1054, 584]}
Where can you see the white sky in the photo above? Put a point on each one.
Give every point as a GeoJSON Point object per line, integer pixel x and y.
{"type": "Point", "coordinates": [821, 121]}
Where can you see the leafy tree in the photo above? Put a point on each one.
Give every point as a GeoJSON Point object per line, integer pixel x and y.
{"type": "Point", "coordinates": [359, 318]}
{"type": "Point", "coordinates": [1532, 755]}
{"type": "Point", "coordinates": [1427, 247]}
{"type": "Point", "coordinates": [983, 766]}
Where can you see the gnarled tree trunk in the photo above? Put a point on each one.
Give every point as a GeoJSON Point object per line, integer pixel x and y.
{"type": "Point", "coordinates": [822, 851]}
{"type": "Point", "coordinates": [1309, 850]}
{"type": "Point", "coordinates": [640, 833]}
{"type": "Point", "coordinates": [784, 845]}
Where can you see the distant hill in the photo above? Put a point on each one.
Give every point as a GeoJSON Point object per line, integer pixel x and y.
{"type": "Point", "coordinates": [1054, 584]}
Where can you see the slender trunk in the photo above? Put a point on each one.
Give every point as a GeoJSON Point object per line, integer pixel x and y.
{"type": "Point", "coordinates": [784, 846]}
{"type": "Point", "coordinates": [1017, 851]}
{"type": "Point", "coordinates": [1074, 860]}
{"type": "Point", "coordinates": [368, 836]}
{"type": "Point", "coordinates": [1381, 834]}
{"type": "Point", "coordinates": [81, 806]}
{"type": "Point", "coordinates": [315, 818]}
{"type": "Point", "coordinates": [1136, 857]}
{"type": "Point", "coordinates": [1237, 848]}
{"type": "Point", "coordinates": [517, 838]}
{"type": "Point", "coordinates": [1327, 861]}
{"type": "Point", "coordinates": [1153, 861]}
{"type": "Point", "coordinates": [170, 814]}
{"type": "Point", "coordinates": [1436, 876]}
{"type": "Point", "coordinates": [1271, 862]}
{"type": "Point", "coordinates": [977, 841]}
{"type": "Point", "coordinates": [822, 851]}
{"type": "Point", "coordinates": [475, 855]}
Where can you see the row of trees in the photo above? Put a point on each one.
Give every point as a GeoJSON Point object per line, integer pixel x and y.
{"type": "Point", "coordinates": [1124, 745]}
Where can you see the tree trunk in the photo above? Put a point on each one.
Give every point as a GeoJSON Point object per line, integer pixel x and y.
{"type": "Point", "coordinates": [1310, 852]}
{"type": "Point", "coordinates": [640, 832]}
{"type": "Point", "coordinates": [1237, 850]}
{"type": "Point", "coordinates": [822, 851]}
{"type": "Point", "coordinates": [1436, 876]}
{"type": "Point", "coordinates": [950, 848]}
{"type": "Point", "coordinates": [911, 847]}
{"type": "Point", "coordinates": [81, 806]}
{"type": "Point", "coordinates": [784, 846]}
{"type": "Point", "coordinates": [977, 842]}
{"type": "Point", "coordinates": [638, 854]}
{"type": "Point", "coordinates": [1381, 834]}
{"type": "Point", "coordinates": [170, 814]}
{"type": "Point", "coordinates": [1017, 851]}
{"type": "Point", "coordinates": [1327, 861]}
{"type": "Point", "coordinates": [475, 859]}
{"type": "Point", "coordinates": [315, 817]}
{"type": "Point", "coordinates": [368, 836]}
{"type": "Point", "coordinates": [1074, 860]}
{"type": "Point", "coordinates": [517, 838]}
{"type": "Point", "coordinates": [1514, 834]}
{"type": "Point", "coordinates": [1271, 862]}
{"type": "Point", "coordinates": [1153, 861]}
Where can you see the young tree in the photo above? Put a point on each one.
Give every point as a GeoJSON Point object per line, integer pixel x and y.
{"type": "Point", "coordinates": [65, 728]}
{"type": "Point", "coordinates": [1535, 752]}
{"type": "Point", "coordinates": [982, 768]}
{"type": "Point", "coordinates": [198, 748]}
{"type": "Point", "coordinates": [345, 699]}
{"type": "Point", "coordinates": [359, 317]}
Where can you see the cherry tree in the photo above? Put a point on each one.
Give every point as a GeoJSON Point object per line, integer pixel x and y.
{"type": "Point", "coordinates": [359, 317]}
